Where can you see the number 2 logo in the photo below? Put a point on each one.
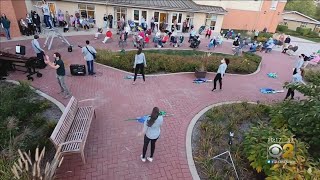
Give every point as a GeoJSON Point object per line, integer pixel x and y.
{"type": "Point", "coordinates": [288, 151]}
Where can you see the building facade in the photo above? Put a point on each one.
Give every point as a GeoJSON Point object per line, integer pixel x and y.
{"type": "Point", "coordinates": [294, 19]}
{"type": "Point", "coordinates": [250, 14]}
{"type": "Point", "coordinates": [163, 11]}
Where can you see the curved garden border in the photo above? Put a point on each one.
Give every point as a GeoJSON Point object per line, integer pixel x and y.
{"type": "Point", "coordinates": [191, 164]}
{"type": "Point", "coordinates": [53, 100]}
{"type": "Point", "coordinates": [168, 74]}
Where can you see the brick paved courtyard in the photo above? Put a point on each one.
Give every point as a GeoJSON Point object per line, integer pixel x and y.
{"type": "Point", "coordinates": [113, 148]}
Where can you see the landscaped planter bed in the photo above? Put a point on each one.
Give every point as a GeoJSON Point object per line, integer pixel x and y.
{"type": "Point", "coordinates": [172, 61]}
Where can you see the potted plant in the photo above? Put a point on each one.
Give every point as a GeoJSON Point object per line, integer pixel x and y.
{"type": "Point", "coordinates": [201, 72]}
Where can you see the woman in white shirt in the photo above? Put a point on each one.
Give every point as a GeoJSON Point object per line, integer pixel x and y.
{"type": "Point", "coordinates": [151, 132]}
{"type": "Point", "coordinates": [220, 73]}
{"type": "Point", "coordinates": [139, 64]}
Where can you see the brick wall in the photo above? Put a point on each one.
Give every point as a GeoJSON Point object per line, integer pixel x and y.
{"type": "Point", "coordinates": [14, 10]}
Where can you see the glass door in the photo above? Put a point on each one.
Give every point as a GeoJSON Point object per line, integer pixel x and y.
{"type": "Point", "coordinates": [176, 21]}
{"type": "Point", "coordinates": [163, 21]}
{"type": "Point", "coordinates": [156, 16]}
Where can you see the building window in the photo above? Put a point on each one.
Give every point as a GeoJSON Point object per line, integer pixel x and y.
{"type": "Point", "coordinates": [119, 13]}
{"type": "Point", "coordinates": [86, 10]}
{"type": "Point", "coordinates": [211, 20]}
{"type": "Point", "coordinates": [303, 25]}
{"type": "Point", "coordinates": [274, 4]}
{"type": "Point", "coordinates": [138, 15]}
{"type": "Point", "coordinates": [156, 17]}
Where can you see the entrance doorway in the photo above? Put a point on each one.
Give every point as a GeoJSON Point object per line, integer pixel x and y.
{"type": "Point", "coordinates": [176, 20]}
{"type": "Point", "coordinates": [163, 21]}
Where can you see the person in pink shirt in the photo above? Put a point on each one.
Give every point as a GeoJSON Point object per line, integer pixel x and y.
{"type": "Point", "coordinates": [208, 32]}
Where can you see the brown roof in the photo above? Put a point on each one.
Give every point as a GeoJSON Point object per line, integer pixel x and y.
{"type": "Point", "coordinates": [178, 5]}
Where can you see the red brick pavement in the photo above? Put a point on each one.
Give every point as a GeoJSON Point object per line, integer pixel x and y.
{"type": "Point", "coordinates": [113, 148]}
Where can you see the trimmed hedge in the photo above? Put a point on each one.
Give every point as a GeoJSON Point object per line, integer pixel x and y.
{"type": "Point", "coordinates": [171, 61]}
{"type": "Point", "coordinates": [303, 31]}
{"type": "Point", "coordinates": [282, 28]}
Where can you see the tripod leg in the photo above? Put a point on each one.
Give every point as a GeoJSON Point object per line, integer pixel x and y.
{"type": "Point", "coordinates": [52, 36]}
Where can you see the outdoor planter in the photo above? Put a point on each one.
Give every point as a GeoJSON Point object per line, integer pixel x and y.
{"type": "Point", "coordinates": [200, 74]}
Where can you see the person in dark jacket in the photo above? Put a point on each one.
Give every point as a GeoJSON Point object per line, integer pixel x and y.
{"type": "Point", "coordinates": [110, 18]}
{"type": "Point", "coordinates": [37, 21]}
{"type": "Point", "coordinates": [6, 25]}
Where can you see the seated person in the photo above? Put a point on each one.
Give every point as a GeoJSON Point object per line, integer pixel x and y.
{"type": "Point", "coordinates": [269, 47]}
{"type": "Point", "coordinates": [99, 31]}
{"type": "Point", "coordinates": [108, 36]}
{"type": "Point", "coordinates": [24, 27]}
{"type": "Point", "coordinates": [65, 26]}
{"type": "Point", "coordinates": [163, 40]}
{"type": "Point", "coordinates": [141, 34]}
{"type": "Point", "coordinates": [146, 40]}
{"type": "Point", "coordinates": [192, 34]}
{"type": "Point", "coordinates": [236, 46]}
{"type": "Point", "coordinates": [253, 47]}
{"type": "Point", "coordinates": [212, 43]}
{"type": "Point", "coordinates": [219, 40]}
{"type": "Point", "coordinates": [85, 24]}
{"type": "Point", "coordinates": [91, 22]}
{"type": "Point", "coordinates": [173, 38]}
{"type": "Point", "coordinates": [157, 37]}
{"type": "Point", "coordinates": [235, 43]}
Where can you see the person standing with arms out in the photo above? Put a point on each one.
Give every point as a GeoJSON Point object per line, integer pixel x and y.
{"type": "Point", "coordinates": [105, 21]}
{"type": "Point", "coordinates": [89, 55]}
{"type": "Point", "coordinates": [6, 25]}
{"type": "Point", "coordinates": [298, 65]}
{"type": "Point", "coordinates": [58, 65]}
{"type": "Point", "coordinates": [46, 13]}
{"type": "Point", "coordinates": [151, 132]}
{"type": "Point", "coordinates": [38, 50]}
{"type": "Point", "coordinates": [139, 64]}
{"type": "Point", "coordinates": [220, 73]}
{"type": "Point", "coordinates": [296, 79]}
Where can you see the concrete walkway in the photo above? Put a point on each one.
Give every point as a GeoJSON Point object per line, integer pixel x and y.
{"type": "Point", "coordinates": [113, 148]}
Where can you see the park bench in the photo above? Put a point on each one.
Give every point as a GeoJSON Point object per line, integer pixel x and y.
{"type": "Point", "coordinates": [72, 130]}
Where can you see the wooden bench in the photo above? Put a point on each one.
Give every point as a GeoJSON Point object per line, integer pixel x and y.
{"type": "Point", "coordinates": [72, 129]}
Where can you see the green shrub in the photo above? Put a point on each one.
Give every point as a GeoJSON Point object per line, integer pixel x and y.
{"type": "Point", "coordinates": [171, 61]}
{"type": "Point", "coordinates": [303, 31]}
{"type": "Point", "coordinates": [265, 35]}
{"type": "Point", "coordinates": [22, 125]}
{"type": "Point", "coordinates": [256, 146]}
{"type": "Point", "coordinates": [312, 76]}
{"type": "Point", "coordinates": [282, 28]}
{"type": "Point", "coordinates": [302, 117]}
{"type": "Point", "coordinates": [313, 34]}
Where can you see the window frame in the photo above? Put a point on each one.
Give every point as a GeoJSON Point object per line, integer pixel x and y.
{"type": "Point", "coordinates": [209, 20]}
{"type": "Point", "coordinates": [87, 10]}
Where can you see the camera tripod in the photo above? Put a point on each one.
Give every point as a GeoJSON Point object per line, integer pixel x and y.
{"type": "Point", "coordinates": [52, 33]}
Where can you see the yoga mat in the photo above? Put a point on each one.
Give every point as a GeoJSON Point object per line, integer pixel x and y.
{"type": "Point", "coordinates": [132, 76]}
{"type": "Point", "coordinates": [201, 80]}
{"type": "Point", "coordinates": [270, 91]}
{"type": "Point", "coordinates": [272, 75]}
{"type": "Point", "coordinates": [142, 119]}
